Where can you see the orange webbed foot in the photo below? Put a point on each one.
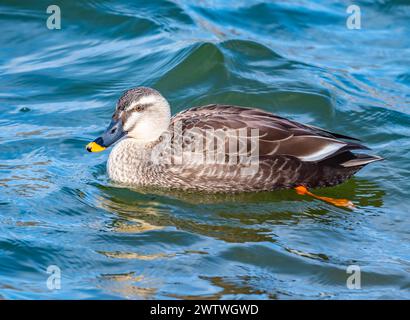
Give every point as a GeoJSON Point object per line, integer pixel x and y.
{"type": "Point", "coordinates": [302, 190]}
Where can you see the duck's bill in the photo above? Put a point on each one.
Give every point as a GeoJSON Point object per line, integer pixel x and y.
{"type": "Point", "coordinates": [113, 134]}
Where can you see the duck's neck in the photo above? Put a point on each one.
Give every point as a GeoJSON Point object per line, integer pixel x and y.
{"type": "Point", "coordinates": [129, 161]}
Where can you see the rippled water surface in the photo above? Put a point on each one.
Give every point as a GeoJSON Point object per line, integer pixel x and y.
{"type": "Point", "coordinates": [58, 89]}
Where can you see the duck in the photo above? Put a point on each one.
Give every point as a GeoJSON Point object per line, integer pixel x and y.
{"type": "Point", "coordinates": [221, 148]}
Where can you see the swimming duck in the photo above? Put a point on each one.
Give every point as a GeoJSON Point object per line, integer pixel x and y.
{"type": "Point", "coordinates": [222, 148]}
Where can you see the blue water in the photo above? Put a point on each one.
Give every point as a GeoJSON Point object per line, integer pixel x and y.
{"type": "Point", "coordinates": [298, 59]}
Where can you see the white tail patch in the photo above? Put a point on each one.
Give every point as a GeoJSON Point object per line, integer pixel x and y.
{"type": "Point", "coordinates": [322, 153]}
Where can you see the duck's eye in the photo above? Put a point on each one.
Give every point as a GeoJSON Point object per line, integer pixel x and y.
{"type": "Point", "coordinates": [139, 108]}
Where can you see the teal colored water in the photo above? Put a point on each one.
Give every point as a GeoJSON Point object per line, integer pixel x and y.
{"type": "Point", "coordinates": [58, 89]}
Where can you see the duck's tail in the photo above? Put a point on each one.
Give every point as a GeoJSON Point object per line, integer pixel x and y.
{"type": "Point", "coordinates": [360, 160]}
{"type": "Point", "coordinates": [350, 160]}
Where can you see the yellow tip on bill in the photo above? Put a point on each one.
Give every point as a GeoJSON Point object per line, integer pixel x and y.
{"type": "Point", "coordinates": [94, 147]}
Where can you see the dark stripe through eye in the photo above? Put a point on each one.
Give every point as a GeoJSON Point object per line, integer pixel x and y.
{"type": "Point", "coordinates": [141, 107]}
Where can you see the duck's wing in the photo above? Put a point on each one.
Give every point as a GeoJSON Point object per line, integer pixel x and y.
{"type": "Point", "coordinates": [275, 135]}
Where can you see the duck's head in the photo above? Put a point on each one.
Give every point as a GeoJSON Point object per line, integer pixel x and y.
{"type": "Point", "coordinates": [141, 113]}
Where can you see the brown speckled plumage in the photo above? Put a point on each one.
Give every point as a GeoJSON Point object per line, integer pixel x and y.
{"type": "Point", "coordinates": [290, 154]}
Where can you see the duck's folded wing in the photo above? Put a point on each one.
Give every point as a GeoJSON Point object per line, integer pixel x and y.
{"type": "Point", "coordinates": [274, 135]}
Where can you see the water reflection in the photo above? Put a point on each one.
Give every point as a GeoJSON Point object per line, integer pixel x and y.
{"type": "Point", "coordinates": [230, 286]}
{"type": "Point", "coordinates": [128, 285]}
{"type": "Point", "coordinates": [236, 218]}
